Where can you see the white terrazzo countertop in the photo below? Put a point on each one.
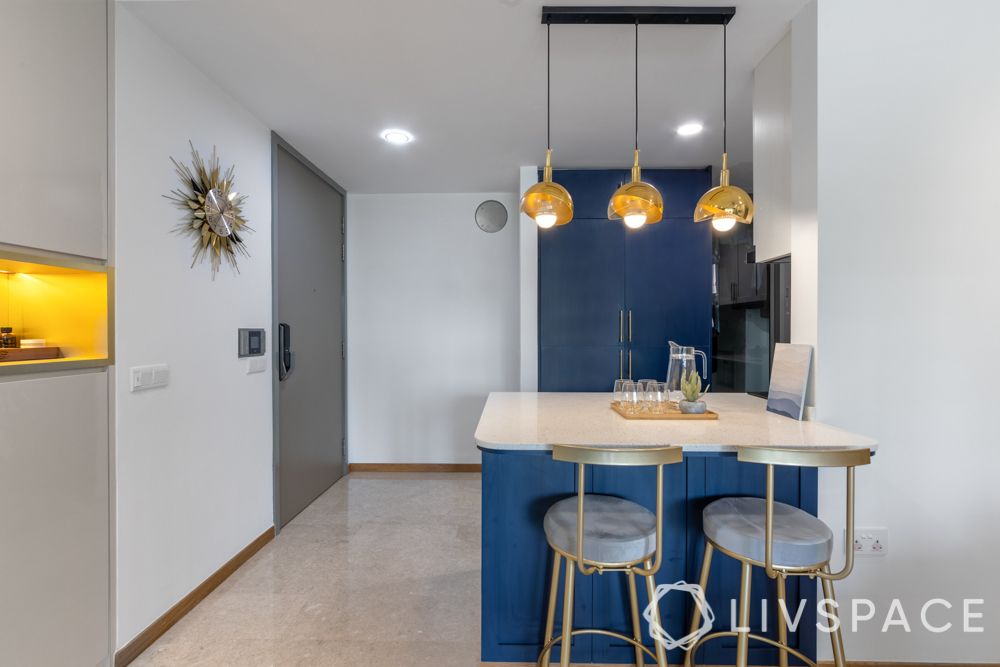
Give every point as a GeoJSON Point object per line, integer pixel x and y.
{"type": "Point", "coordinates": [534, 421]}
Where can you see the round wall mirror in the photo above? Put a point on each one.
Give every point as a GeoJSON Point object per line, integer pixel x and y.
{"type": "Point", "coordinates": [491, 216]}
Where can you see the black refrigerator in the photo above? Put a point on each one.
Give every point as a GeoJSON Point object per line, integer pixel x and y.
{"type": "Point", "coordinates": [752, 313]}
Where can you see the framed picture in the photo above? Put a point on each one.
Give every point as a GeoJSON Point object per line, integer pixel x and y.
{"type": "Point", "coordinates": [789, 378]}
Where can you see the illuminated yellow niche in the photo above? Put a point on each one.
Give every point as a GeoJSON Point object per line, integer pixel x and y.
{"type": "Point", "coordinates": [66, 306]}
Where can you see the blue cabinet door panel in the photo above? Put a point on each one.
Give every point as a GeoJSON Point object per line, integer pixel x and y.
{"type": "Point", "coordinates": [668, 282]}
{"type": "Point", "coordinates": [591, 189]}
{"type": "Point", "coordinates": [581, 287]}
{"type": "Point", "coordinates": [681, 189]}
{"type": "Point", "coordinates": [579, 368]}
{"type": "Point", "coordinates": [518, 488]}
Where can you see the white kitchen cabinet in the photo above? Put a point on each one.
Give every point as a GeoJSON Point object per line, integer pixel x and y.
{"type": "Point", "coordinates": [772, 157]}
{"type": "Point", "coordinates": [54, 134]}
{"type": "Point", "coordinates": [54, 504]}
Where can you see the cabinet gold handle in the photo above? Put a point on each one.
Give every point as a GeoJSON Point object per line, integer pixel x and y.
{"type": "Point", "coordinates": [630, 364]}
{"type": "Point", "coordinates": [621, 327]}
{"type": "Point", "coordinates": [621, 363]}
{"type": "Point", "coordinates": [630, 328]}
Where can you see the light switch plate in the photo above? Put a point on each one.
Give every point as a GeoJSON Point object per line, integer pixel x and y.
{"type": "Point", "coordinates": [256, 365]}
{"type": "Point", "coordinates": [148, 377]}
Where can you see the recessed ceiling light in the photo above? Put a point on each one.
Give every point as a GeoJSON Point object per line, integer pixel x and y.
{"type": "Point", "coordinates": [397, 137]}
{"type": "Point", "coordinates": [689, 129]}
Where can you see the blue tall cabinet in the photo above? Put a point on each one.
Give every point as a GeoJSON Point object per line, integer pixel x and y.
{"type": "Point", "coordinates": [610, 298]}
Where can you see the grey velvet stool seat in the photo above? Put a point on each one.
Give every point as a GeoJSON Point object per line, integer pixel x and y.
{"type": "Point", "coordinates": [739, 525]}
{"type": "Point", "coordinates": [615, 530]}
{"type": "Point", "coordinates": [596, 534]}
{"type": "Point", "coordinates": [784, 540]}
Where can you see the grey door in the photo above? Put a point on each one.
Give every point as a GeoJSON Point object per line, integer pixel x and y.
{"type": "Point", "coordinates": [308, 333]}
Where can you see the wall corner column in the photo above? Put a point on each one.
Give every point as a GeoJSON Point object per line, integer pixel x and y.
{"type": "Point", "coordinates": [527, 240]}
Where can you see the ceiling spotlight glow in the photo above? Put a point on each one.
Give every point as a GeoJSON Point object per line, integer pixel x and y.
{"type": "Point", "coordinates": [397, 137]}
{"type": "Point", "coordinates": [690, 129]}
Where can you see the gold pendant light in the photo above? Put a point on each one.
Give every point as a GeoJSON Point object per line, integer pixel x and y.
{"type": "Point", "coordinates": [636, 203]}
{"type": "Point", "coordinates": [548, 203]}
{"type": "Point", "coordinates": [725, 205]}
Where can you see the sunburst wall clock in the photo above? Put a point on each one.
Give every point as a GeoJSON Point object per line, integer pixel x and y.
{"type": "Point", "coordinates": [214, 210]}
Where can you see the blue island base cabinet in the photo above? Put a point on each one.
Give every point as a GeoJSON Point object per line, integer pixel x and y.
{"type": "Point", "coordinates": [518, 488]}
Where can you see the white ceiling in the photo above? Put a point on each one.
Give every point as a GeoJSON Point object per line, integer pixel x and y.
{"type": "Point", "coordinates": [467, 78]}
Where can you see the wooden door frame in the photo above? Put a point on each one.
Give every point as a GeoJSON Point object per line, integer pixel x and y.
{"type": "Point", "coordinates": [276, 143]}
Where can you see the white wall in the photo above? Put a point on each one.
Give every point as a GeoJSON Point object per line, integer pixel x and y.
{"type": "Point", "coordinates": [772, 134]}
{"type": "Point", "coordinates": [194, 458]}
{"type": "Point", "coordinates": [803, 224]}
{"type": "Point", "coordinates": [784, 121]}
{"type": "Point", "coordinates": [527, 241]}
{"type": "Point", "coordinates": [908, 135]}
{"type": "Point", "coordinates": [432, 324]}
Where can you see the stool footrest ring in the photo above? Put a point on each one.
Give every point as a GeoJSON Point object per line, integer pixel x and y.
{"type": "Point", "coordinates": [759, 638]}
{"type": "Point", "coordinates": [596, 631]}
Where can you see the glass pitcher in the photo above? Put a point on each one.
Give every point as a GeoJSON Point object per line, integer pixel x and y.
{"type": "Point", "coordinates": [682, 363]}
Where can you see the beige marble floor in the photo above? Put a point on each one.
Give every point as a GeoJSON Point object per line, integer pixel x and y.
{"type": "Point", "coordinates": [383, 569]}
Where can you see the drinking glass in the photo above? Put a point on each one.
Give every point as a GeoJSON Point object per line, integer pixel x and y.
{"type": "Point", "coordinates": [618, 397]}
{"type": "Point", "coordinates": [658, 398]}
{"type": "Point", "coordinates": [631, 399]}
{"type": "Point", "coordinates": [648, 388]}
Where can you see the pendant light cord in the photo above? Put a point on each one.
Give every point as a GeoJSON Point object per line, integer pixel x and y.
{"type": "Point", "coordinates": [637, 84]}
{"type": "Point", "coordinates": [725, 77]}
{"type": "Point", "coordinates": [548, 84]}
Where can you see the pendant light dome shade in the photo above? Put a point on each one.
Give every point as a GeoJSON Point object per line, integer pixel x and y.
{"type": "Point", "coordinates": [725, 205]}
{"type": "Point", "coordinates": [547, 203]}
{"type": "Point", "coordinates": [637, 203]}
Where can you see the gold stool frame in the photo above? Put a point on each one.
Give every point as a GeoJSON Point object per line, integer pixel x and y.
{"type": "Point", "coordinates": [646, 568]}
{"type": "Point", "coordinates": [813, 458]}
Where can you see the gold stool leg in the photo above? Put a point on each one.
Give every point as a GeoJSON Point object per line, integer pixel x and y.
{"type": "Point", "coordinates": [567, 626]}
{"type": "Point", "coordinates": [661, 653]}
{"type": "Point", "coordinates": [743, 638]}
{"type": "Point", "coordinates": [782, 626]}
{"type": "Point", "coordinates": [836, 638]}
{"type": "Point", "coordinates": [706, 568]}
{"type": "Point", "coordinates": [636, 627]}
{"type": "Point", "coordinates": [553, 598]}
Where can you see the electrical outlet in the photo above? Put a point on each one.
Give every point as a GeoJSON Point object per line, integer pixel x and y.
{"type": "Point", "coordinates": [871, 541]}
{"type": "Point", "coordinates": [147, 377]}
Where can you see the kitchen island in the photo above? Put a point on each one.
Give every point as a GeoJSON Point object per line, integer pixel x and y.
{"type": "Point", "coordinates": [521, 481]}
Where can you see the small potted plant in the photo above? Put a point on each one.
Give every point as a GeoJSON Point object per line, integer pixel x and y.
{"type": "Point", "coordinates": [691, 389]}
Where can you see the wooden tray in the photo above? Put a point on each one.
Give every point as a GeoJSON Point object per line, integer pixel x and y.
{"type": "Point", "coordinates": [670, 414]}
{"type": "Point", "coordinates": [28, 353]}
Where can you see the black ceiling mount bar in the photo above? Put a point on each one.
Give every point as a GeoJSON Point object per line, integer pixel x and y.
{"type": "Point", "coordinates": [641, 15]}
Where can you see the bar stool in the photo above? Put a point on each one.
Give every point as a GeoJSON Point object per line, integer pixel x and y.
{"type": "Point", "coordinates": [601, 534]}
{"type": "Point", "coordinates": [784, 540]}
